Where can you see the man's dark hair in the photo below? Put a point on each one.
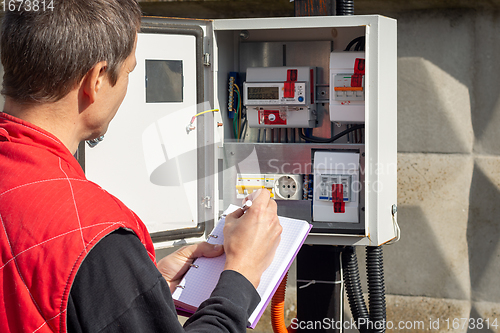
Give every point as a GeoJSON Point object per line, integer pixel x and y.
{"type": "Point", "coordinates": [45, 53]}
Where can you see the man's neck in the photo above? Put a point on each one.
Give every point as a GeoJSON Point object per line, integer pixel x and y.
{"type": "Point", "coordinates": [58, 118]}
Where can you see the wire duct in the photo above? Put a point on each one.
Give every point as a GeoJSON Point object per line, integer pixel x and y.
{"type": "Point", "coordinates": [376, 288]}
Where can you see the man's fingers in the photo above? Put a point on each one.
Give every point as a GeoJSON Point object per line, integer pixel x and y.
{"type": "Point", "coordinates": [203, 249]}
{"type": "Point", "coordinates": [252, 196]}
{"type": "Point", "coordinates": [236, 214]}
{"type": "Point", "coordinates": [262, 196]}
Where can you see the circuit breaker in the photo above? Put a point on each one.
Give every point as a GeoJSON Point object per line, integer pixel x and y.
{"type": "Point", "coordinates": [347, 88]}
{"type": "Point", "coordinates": [336, 189]}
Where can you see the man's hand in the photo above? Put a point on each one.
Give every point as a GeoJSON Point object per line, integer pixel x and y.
{"type": "Point", "coordinates": [251, 239]}
{"type": "Point", "coordinates": [174, 266]}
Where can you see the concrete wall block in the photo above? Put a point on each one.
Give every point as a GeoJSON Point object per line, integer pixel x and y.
{"type": "Point", "coordinates": [420, 314]}
{"type": "Point", "coordinates": [486, 109]}
{"type": "Point", "coordinates": [424, 314]}
{"type": "Point", "coordinates": [484, 317]}
{"type": "Point", "coordinates": [484, 229]}
{"type": "Point", "coordinates": [434, 78]}
{"type": "Point", "coordinates": [431, 259]}
{"type": "Point", "coordinates": [433, 109]}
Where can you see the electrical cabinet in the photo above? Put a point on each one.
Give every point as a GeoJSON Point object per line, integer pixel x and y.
{"type": "Point", "coordinates": [216, 109]}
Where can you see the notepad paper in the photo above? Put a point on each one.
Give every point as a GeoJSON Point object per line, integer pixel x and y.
{"type": "Point", "coordinates": [201, 279]}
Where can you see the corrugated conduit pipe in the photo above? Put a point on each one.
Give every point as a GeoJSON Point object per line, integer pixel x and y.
{"type": "Point", "coordinates": [345, 7]}
{"type": "Point", "coordinates": [352, 284]}
{"type": "Point", "coordinates": [373, 322]}
{"type": "Point", "coordinates": [376, 288]}
{"type": "Point", "coordinates": [278, 309]}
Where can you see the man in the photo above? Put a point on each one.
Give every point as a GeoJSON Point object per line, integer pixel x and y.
{"type": "Point", "coordinates": [73, 257]}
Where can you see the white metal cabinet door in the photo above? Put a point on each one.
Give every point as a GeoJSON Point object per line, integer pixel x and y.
{"type": "Point", "coordinates": [148, 159]}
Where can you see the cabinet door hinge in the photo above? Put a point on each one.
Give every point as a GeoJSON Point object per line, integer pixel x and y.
{"type": "Point", "coordinates": [207, 202]}
{"type": "Point", "coordinates": [206, 59]}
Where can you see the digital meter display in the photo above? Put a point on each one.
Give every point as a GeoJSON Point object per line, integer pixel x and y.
{"type": "Point", "coordinates": [263, 92]}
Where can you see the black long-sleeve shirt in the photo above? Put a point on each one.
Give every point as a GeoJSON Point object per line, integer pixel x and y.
{"type": "Point", "coordinates": [119, 289]}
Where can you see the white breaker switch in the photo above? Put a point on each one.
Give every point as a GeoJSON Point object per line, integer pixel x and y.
{"type": "Point", "coordinates": [336, 187]}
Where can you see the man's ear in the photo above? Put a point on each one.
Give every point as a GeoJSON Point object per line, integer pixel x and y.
{"type": "Point", "coordinates": [93, 81]}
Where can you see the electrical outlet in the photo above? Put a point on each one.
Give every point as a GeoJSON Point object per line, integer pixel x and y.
{"type": "Point", "coordinates": [288, 187]}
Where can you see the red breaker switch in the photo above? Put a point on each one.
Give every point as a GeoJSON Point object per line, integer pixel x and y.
{"type": "Point", "coordinates": [289, 85]}
{"type": "Point", "coordinates": [359, 72]}
{"type": "Point", "coordinates": [338, 198]}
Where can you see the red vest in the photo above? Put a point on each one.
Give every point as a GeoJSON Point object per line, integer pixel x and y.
{"type": "Point", "coordinates": [50, 218]}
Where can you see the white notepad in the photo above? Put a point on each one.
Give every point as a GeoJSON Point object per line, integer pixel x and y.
{"type": "Point", "coordinates": [202, 277]}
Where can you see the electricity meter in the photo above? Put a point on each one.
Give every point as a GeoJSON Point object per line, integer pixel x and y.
{"type": "Point", "coordinates": [280, 97]}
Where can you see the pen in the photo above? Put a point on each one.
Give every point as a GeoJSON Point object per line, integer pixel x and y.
{"type": "Point", "coordinates": [246, 205]}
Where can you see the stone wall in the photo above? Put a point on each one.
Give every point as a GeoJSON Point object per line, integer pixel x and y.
{"type": "Point", "coordinates": [448, 168]}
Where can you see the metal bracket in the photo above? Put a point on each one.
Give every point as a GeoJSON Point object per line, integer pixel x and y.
{"type": "Point", "coordinates": [323, 93]}
{"type": "Point", "coordinates": [206, 59]}
{"type": "Point", "coordinates": [207, 202]}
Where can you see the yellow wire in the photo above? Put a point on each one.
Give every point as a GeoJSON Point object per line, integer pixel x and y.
{"type": "Point", "coordinates": [213, 110]}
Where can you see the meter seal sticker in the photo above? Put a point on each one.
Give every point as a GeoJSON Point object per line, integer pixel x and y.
{"type": "Point", "coordinates": [271, 117]}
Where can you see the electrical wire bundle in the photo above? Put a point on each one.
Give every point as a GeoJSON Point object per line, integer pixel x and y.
{"type": "Point", "coordinates": [238, 115]}
{"type": "Point", "coordinates": [333, 138]}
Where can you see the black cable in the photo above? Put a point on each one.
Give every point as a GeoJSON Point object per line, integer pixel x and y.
{"type": "Point", "coordinates": [376, 288]}
{"type": "Point", "coordinates": [333, 138]}
{"type": "Point", "coordinates": [360, 44]}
